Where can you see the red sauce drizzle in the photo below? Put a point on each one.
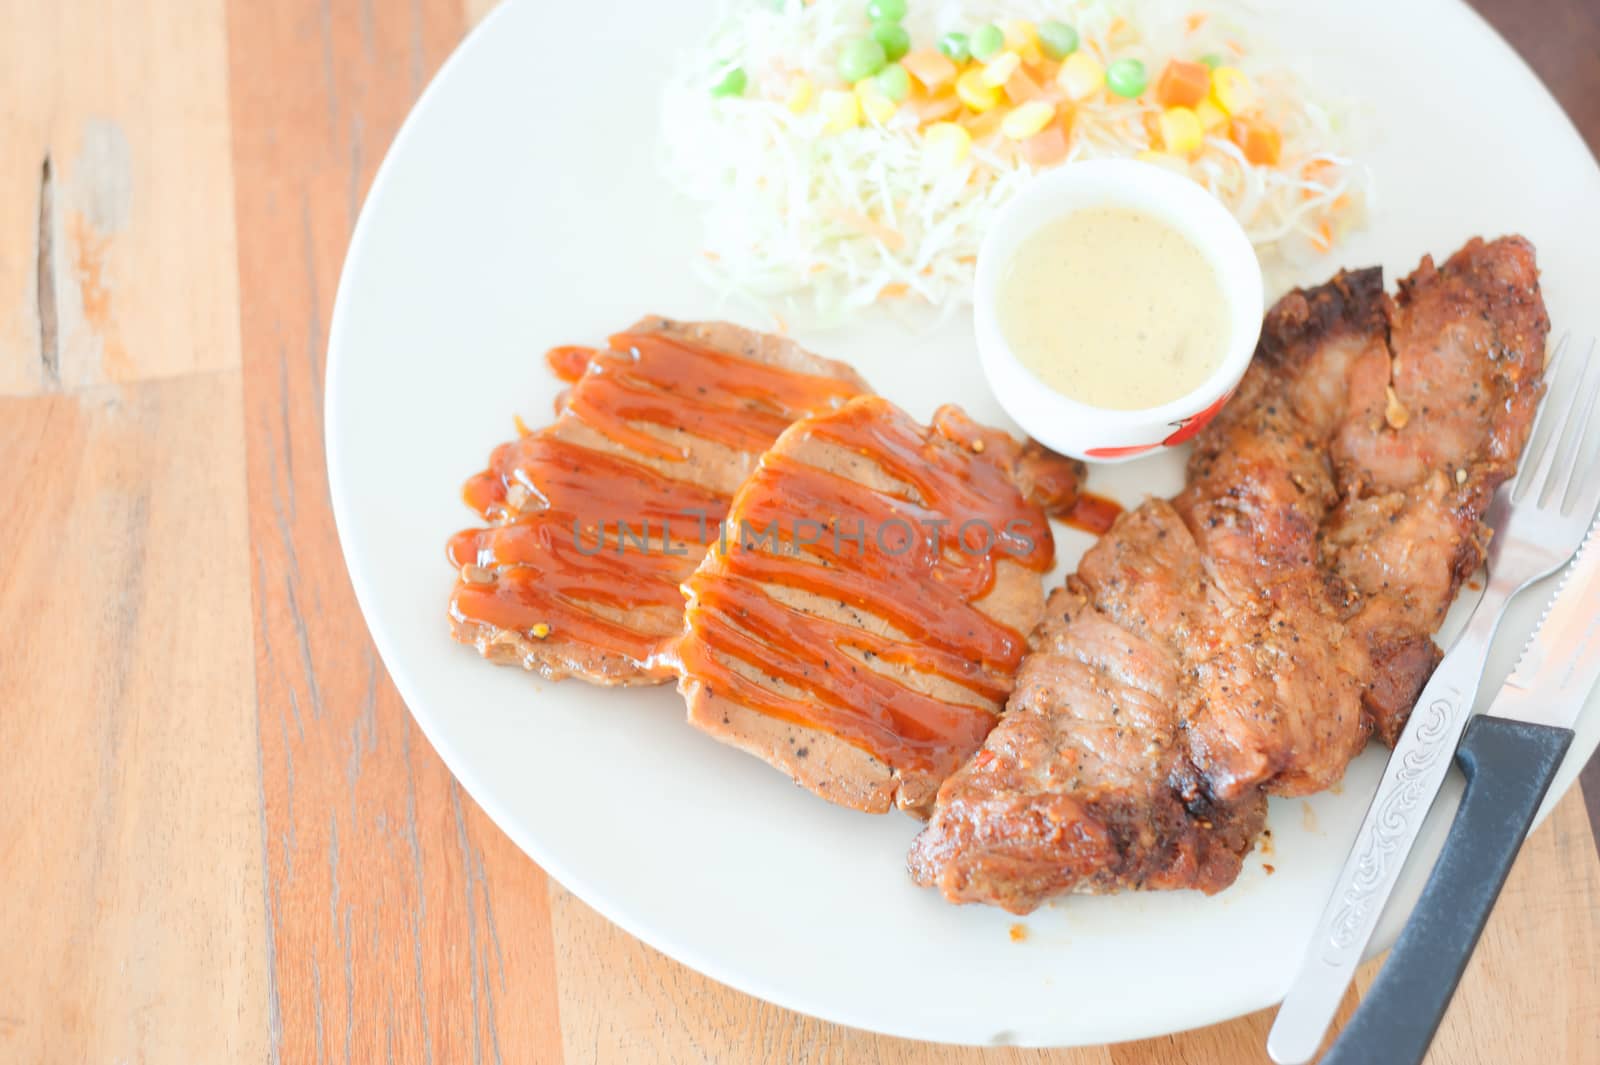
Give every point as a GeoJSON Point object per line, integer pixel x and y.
{"type": "Point", "coordinates": [1092, 513]}
{"type": "Point", "coordinates": [924, 585]}
{"type": "Point", "coordinates": [1053, 481]}
{"type": "Point", "coordinates": [552, 558]}
{"type": "Point", "coordinates": [673, 384]}
{"type": "Point", "coordinates": [568, 363]}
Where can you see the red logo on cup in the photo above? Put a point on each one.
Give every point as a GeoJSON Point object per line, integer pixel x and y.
{"type": "Point", "coordinates": [1186, 430]}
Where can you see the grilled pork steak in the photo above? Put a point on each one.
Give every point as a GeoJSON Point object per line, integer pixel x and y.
{"type": "Point", "coordinates": [863, 623]}
{"type": "Point", "coordinates": [1249, 636]}
{"type": "Point", "coordinates": [599, 517]}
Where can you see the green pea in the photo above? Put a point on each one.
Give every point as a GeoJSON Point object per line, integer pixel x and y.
{"type": "Point", "coordinates": [1212, 60]}
{"type": "Point", "coordinates": [1127, 77]}
{"type": "Point", "coordinates": [861, 57]}
{"type": "Point", "coordinates": [1059, 39]}
{"type": "Point", "coordinates": [886, 10]}
{"type": "Point", "coordinates": [987, 41]}
{"type": "Point", "coordinates": [732, 84]}
{"type": "Point", "coordinates": [894, 82]}
{"type": "Point", "coordinates": [955, 46]}
{"type": "Point", "coordinates": [895, 38]}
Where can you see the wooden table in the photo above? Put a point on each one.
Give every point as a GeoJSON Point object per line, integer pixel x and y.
{"type": "Point", "coordinates": [223, 838]}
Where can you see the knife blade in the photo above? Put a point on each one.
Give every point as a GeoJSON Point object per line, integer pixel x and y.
{"type": "Point", "coordinates": [1560, 663]}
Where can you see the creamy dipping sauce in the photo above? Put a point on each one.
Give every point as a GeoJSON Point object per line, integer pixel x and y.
{"type": "Point", "coordinates": [1114, 308]}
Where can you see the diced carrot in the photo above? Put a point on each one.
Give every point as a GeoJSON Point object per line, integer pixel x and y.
{"type": "Point", "coordinates": [1258, 139]}
{"type": "Point", "coordinates": [1152, 126]}
{"type": "Point", "coordinates": [1183, 84]}
{"type": "Point", "coordinates": [894, 290]}
{"type": "Point", "coordinates": [892, 238]}
{"type": "Point", "coordinates": [1020, 88]}
{"type": "Point", "coordinates": [1194, 21]}
{"type": "Point", "coordinates": [1324, 237]}
{"type": "Point", "coordinates": [931, 109]}
{"type": "Point", "coordinates": [1313, 172]}
{"type": "Point", "coordinates": [1047, 147]}
{"type": "Point", "coordinates": [985, 124]}
{"type": "Point", "coordinates": [930, 67]}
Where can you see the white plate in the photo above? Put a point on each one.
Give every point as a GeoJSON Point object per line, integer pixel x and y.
{"type": "Point", "coordinates": [519, 209]}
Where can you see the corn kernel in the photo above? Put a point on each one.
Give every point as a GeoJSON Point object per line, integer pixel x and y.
{"type": "Point", "coordinates": [1212, 118]}
{"type": "Point", "coordinates": [945, 145]}
{"type": "Point", "coordinates": [840, 111]}
{"type": "Point", "coordinates": [1081, 76]}
{"type": "Point", "coordinates": [876, 106]}
{"type": "Point", "coordinates": [1231, 90]}
{"type": "Point", "coordinates": [801, 93]}
{"type": "Point", "coordinates": [1001, 67]}
{"type": "Point", "coordinates": [1019, 32]}
{"type": "Point", "coordinates": [540, 631]}
{"type": "Point", "coordinates": [974, 92]}
{"type": "Point", "coordinates": [1181, 132]}
{"type": "Point", "coordinates": [1022, 37]}
{"type": "Point", "coordinates": [1027, 119]}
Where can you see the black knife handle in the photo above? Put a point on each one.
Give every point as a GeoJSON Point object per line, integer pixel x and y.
{"type": "Point", "coordinates": [1509, 766]}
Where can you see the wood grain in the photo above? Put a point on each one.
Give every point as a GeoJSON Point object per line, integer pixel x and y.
{"type": "Point", "coordinates": [1532, 991]}
{"type": "Point", "coordinates": [403, 925]}
{"type": "Point", "coordinates": [116, 196]}
{"type": "Point", "coordinates": [132, 916]}
{"type": "Point", "coordinates": [622, 1000]}
{"type": "Point", "coordinates": [620, 997]}
{"type": "Point", "coordinates": [1560, 40]}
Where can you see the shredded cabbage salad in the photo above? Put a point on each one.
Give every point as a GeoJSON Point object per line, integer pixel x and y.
{"type": "Point", "coordinates": [821, 197]}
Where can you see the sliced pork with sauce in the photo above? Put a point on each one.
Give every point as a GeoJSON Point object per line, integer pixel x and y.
{"type": "Point", "coordinates": [598, 518]}
{"type": "Point", "coordinates": [862, 624]}
{"type": "Point", "coordinates": [1248, 637]}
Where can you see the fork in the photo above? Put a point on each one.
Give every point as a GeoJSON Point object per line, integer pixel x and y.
{"type": "Point", "coordinates": [1537, 529]}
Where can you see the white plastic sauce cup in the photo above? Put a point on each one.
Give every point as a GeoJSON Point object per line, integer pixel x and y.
{"type": "Point", "coordinates": [1100, 434]}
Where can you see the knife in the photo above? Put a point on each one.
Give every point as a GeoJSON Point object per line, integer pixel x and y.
{"type": "Point", "coordinates": [1509, 755]}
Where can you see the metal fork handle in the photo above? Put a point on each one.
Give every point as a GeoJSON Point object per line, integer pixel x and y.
{"type": "Point", "coordinates": [1411, 781]}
